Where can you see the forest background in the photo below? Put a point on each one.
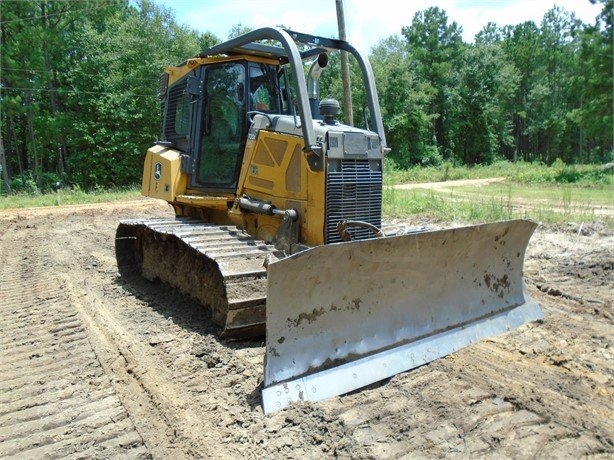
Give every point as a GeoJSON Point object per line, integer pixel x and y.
{"type": "Point", "coordinates": [78, 81]}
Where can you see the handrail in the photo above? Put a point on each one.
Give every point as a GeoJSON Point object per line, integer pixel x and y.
{"type": "Point", "coordinates": [288, 40]}
{"type": "Point", "coordinates": [294, 58]}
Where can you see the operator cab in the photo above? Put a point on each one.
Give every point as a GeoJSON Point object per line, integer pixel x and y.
{"type": "Point", "coordinates": [206, 116]}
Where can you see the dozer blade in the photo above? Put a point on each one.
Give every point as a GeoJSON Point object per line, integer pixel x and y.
{"type": "Point", "coordinates": [345, 315]}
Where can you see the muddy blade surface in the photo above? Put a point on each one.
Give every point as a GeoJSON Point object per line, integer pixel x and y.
{"type": "Point", "coordinates": [343, 316]}
{"type": "Point", "coordinates": [220, 266]}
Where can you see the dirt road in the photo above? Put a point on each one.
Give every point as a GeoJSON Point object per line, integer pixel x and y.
{"type": "Point", "coordinates": [93, 367]}
{"type": "Point", "coordinates": [450, 183]}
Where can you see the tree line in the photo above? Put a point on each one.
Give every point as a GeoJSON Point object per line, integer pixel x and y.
{"type": "Point", "coordinates": [78, 82]}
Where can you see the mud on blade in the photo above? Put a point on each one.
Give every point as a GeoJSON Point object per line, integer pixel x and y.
{"type": "Point", "coordinates": [342, 316]}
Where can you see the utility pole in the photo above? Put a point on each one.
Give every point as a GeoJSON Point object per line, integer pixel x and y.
{"type": "Point", "coordinates": [345, 68]}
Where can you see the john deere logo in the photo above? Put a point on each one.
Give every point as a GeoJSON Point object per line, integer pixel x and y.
{"type": "Point", "coordinates": [158, 171]}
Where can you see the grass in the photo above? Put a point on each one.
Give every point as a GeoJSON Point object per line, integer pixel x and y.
{"type": "Point", "coordinates": [557, 193]}
{"type": "Point", "coordinates": [597, 195]}
{"type": "Point", "coordinates": [521, 172]}
{"type": "Point", "coordinates": [510, 200]}
{"type": "Point", "coordinates": [67, 197]}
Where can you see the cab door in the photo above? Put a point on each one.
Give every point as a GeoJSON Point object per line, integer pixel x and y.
{"type": "Point", "coordinates": [221, 126]}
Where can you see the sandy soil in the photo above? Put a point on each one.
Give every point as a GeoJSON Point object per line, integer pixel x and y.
{"type": "Point", "coordinates": [450, 183]}
{"type": "Point", "coordinates": [94, 367]}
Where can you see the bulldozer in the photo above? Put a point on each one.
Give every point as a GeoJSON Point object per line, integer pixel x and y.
{"type": "Point", "coordinates": [278, 226]}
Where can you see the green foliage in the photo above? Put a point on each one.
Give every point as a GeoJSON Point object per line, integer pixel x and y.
{"type": "Point", "coordinates": [434, 50]}
{"type": "Point", "coordinates": [594, 114]}
{"type": "Point", "coordinates": [405, 101]}
{"type": "Point", "coordinates": [25, 183]}
{"type": "Point", "coordinates": [561, 173]}
{"type": "Point", "coordinates": [78, 106]}
{"type": "Point", "coordinates": [521, 172]}
{"type": "Point", "coordinates": [121, 119]}
{"type": "Point", "coordinates": [86, 107]}
{"type": "Point", "coordinates": [520, 92]}
{"type": "Point", "coordinates": [488, 83]}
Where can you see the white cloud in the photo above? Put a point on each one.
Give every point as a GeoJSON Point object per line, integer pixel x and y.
{"type": "Point", "coordinates": [367, 21]}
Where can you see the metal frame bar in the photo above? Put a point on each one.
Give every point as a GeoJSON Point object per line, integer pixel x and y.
{"type": "Point", "coordinates": [245, 44]}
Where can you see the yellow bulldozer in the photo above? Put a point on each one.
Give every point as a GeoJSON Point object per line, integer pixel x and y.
{"type": "Point", "coordinates": [278, 227]}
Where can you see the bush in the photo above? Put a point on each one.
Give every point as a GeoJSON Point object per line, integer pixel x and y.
{"type": "Point", "coordinates": [431, 156]}
{"type": "Point", "coordinates": [24, 183]}
{"type": "Point", "coordinates": [559, 173]}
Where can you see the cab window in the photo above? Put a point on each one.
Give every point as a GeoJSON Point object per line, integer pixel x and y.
{"type": "Point", "coordinates": [223, 123]}
{"type": "Point", "coordinates": [263, 93]}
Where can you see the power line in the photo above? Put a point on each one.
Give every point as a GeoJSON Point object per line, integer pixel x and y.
{"type": "Point", "coordinates": [36, 18]}
{"type": "Point", "coordinates": [153, 81]}
{"type": "Point", "coordinates": [73, 91]}
{"type": "Point", "coordinates": [8, 69]}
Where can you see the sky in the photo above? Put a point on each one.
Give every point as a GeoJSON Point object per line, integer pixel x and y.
{"type": "Point", "coordinates": [367, 21]}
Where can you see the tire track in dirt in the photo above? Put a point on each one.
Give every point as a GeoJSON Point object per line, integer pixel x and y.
{"type": "Point", "coordinates": [126, 335]}
{"type": "Point", "coordinates": [56, 400]}
{"type": "Point", "coordinates": [190, 394]}
{"type": "Point", "coordinates": [540, 391]}
{"type": "Point", "coordinates": [161, 408]}
{"type": "Point", "coordinates": [475, 402]}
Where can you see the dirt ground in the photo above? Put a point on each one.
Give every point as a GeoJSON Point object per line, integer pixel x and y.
{"type": "Point", "coordinates": [450, 183]}
{"type": "Point", "coordinates": [94, 367]}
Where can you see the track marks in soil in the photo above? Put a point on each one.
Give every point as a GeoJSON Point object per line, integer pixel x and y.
{"type": "Point", "coordinates": [508, 394]}
{"type": "Point", "coordinates": [56, 400]}
{"type": "Point", "coordinates": [154, 344]}
{"type": "Point", "coordinates": [149, 360]}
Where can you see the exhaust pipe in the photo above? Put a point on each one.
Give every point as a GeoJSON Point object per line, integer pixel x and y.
{"type": "Point", "coordinates": [313, 86]}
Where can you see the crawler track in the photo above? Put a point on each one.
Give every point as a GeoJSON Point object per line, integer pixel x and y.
{"type": "Point", "coordinates": [220, 266]}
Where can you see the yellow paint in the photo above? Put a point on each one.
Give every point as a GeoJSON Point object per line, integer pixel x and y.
{"type": "Point", "coordinates": [211, 202]}
{"type": "Point", "coordinates": [177, 72]}
{"type": "Point", "coordinates": [275, 170]}
{"type": "Point", "coordinates": [162, 176]}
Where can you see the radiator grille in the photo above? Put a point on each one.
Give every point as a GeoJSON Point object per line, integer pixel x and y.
{"type": "Point", "coordinates": [353, 192]}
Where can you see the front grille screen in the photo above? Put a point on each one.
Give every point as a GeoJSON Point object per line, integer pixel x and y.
{"type": "Point", "coordinates": [353, 192]}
